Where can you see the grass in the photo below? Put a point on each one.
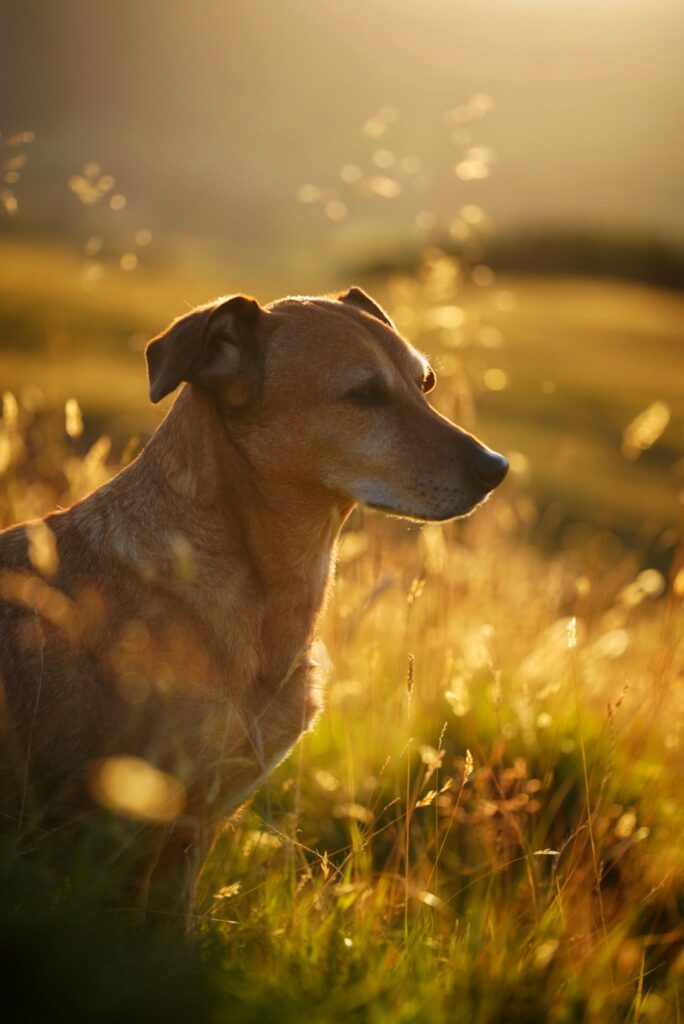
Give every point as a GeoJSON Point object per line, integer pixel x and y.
{"type": "Point", "coordinates": [485, 825]}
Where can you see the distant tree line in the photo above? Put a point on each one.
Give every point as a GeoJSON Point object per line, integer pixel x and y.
{"type": "Point", "coordinates": [578, 251]}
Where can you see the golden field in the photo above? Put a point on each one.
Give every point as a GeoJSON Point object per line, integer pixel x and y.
{"type": "Point", "coordinates": [485, 825]}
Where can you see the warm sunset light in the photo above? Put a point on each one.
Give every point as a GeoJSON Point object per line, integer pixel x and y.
{"type": "Point", "coordinates": [341, 495]}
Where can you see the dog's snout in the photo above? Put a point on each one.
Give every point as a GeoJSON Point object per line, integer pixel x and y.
{"type": "Point", "coordinates": [489, 467]}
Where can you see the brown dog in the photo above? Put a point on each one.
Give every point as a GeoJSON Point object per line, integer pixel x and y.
{"type": "Point", "coordinates": [168, 616]}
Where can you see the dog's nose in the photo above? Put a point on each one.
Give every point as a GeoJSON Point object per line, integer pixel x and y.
{"type": "Point", "coordinates": [489, 467]}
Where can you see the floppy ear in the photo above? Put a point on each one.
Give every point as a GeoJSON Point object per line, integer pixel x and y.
{"type": "Point", "coordinates": [214, 342]}
{"type": "Point", "coordinates": [357, 297]}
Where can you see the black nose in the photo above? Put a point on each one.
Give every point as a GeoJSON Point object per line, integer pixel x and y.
{"type": "Point", "coordinates": [489, 467]}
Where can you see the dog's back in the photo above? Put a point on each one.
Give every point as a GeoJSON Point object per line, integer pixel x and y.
{"type": "Point", "coordinates": [57, 691]}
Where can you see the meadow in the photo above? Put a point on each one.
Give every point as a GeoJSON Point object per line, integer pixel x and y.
{"type": "Point", "coordinates": [486, 824]}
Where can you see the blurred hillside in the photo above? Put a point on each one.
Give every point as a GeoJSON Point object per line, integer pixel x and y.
{"type": "Point", "coordinates": [290, 139]}
{"type": "Point", "coordinates": [577, 380]}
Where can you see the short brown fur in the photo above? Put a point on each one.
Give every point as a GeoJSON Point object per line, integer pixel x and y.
{"type": "Point", "coordinates": [178, 623]}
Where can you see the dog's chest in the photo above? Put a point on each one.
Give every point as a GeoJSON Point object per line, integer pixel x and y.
{"type": "Point", "coordinates": [245, 747]}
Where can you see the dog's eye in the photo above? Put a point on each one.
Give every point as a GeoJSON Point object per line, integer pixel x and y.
{"type": "Point", "coordinates": [428, 382]}
{"type": "Point", "coordinates": [368, 394]}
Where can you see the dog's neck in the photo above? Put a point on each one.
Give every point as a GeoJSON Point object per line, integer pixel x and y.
{"type": "Point", "coordinates": [285, 525]}
{"type": "Point", "coordinates": [260, 554]}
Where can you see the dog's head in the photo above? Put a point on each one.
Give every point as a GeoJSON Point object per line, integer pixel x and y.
{"type": "Point", "coordinates": [324, 393]}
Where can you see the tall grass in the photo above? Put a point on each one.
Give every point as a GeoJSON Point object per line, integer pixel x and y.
{"type": "Point", "coordinates": [485, 825]}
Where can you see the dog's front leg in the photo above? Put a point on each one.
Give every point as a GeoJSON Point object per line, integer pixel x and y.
{"type": "Point", "coordinates": [169, 883]}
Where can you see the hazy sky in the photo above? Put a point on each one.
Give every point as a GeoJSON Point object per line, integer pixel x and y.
{"type": "Point", "coordinates": [211, 113]}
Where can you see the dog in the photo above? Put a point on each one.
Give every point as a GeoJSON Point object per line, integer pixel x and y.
{"type": "Point", "coordinates": [166, 620]}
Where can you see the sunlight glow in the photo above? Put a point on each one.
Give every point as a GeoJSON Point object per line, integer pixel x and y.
{"type": "Point", "coordinates": [136, 789]}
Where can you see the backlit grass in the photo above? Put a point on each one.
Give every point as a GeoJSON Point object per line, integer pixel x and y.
{"type": "Point", "coordinates": [484, 826]}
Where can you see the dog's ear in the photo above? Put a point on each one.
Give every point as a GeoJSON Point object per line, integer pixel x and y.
{"type": "Point", "coordinates": [357, 297]}
{"type": "Point", "coordinates": [213, 344]}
